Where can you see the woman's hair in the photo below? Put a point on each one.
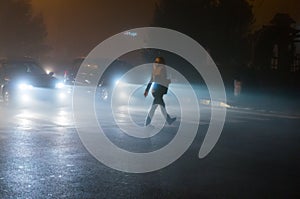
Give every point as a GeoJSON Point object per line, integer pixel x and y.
{"type": "Point", "coordinates": [159, 60]}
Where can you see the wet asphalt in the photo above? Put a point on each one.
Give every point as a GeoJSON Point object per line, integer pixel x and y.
{"type": "Point", "coordinates": [42, 156]}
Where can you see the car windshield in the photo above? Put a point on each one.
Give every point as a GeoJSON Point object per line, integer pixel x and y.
{"type": "Point", "coordinates": [25, 67]}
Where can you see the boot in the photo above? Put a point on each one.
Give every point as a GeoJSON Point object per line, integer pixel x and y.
{"type": "Point", "coordinates": [170, 120]}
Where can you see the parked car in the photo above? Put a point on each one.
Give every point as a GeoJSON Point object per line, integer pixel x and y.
{"type": "Point", "coordinates": [106, 82]}
{"type": "Point", "coordinates": [71, 72]}
{"type": "Point", "coordinates": [24, 80]}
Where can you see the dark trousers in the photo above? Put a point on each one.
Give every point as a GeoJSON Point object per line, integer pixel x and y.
{"type": "Point", "coordinates": [158, 99]}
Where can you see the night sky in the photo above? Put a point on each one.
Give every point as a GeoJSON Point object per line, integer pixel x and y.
{"type": "Point", "coordinates": [76, 26]}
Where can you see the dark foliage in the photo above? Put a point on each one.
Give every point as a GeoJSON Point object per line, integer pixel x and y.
{"type": "Point", "coordinates": [221, 26]}
{"type": "Point", "coordinates": [22, 32]}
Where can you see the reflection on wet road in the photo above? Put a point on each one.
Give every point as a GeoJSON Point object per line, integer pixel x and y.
{"type": "Point", "coordinates": [42, 115]}
{"type": "Point", "coordinates": [41, 155]}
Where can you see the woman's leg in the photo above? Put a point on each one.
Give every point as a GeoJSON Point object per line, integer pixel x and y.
{"type": "Point", "coordinates": [164, 111]}
{"type": "Point", "coordinates": [150, 114]}
{"type": "Point", "coordinates": [166, 115]}
{"type": "Point", "coordinates": [158, 100]}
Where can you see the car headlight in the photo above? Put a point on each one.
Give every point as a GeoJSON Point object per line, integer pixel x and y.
{"type": "Point", "coordinates": [117, 81]}
{"type": "Point", "coordinates": [24, 86]}
{"type": "Point", "coordinates": [59, 85]}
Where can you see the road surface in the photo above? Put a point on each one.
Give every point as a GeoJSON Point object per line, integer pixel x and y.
{"type": "Point", "coordinates": [42, 156]}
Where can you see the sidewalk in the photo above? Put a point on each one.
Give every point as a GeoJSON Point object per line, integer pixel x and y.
{"type": "Point", "coordinates": [268, 102]}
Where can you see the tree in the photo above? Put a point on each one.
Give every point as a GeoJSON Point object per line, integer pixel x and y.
{"type": "Point", "coordinates": [279, 36]}
{"type": "Point", "coordinates": [22, 32]}
{"type": "Point", "coordinates": [222, 26]}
